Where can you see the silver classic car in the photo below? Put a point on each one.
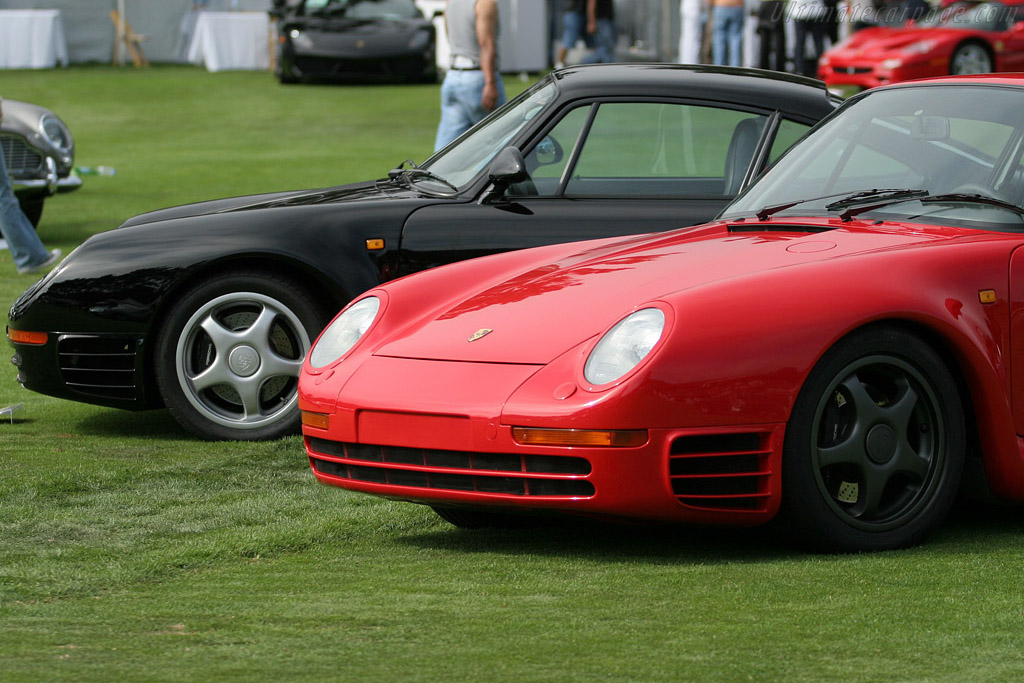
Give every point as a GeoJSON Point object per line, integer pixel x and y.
{"type": "Point", "coordinates": [40, 155]}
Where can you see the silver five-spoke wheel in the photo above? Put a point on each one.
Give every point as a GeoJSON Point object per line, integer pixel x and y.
{"type": "Point", "coordinates": [230, 355]}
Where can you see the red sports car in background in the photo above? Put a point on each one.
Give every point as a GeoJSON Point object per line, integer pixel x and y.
{"type": "Point", "coordinates": [834, 349]}
{"type": "Point", "coordinates": [960, 39]}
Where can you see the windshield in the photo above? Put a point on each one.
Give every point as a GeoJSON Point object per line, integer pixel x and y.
{"type": "Point", "coordinates": [461, 161]}
{"type": "Point", "coordinates": [366, 9]}
{"type": "Point", "coordinates": [950, 140]}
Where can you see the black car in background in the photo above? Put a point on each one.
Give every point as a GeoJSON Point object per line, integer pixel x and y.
{"type": "Point", "coordinates": [40, 155]}
{"type": "Point", "coordinates": [209, 309]}
{"type": "Point", "coordinates": [355, 40]}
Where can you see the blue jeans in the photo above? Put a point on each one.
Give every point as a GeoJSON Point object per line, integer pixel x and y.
{"type": "Point", "coordinates": [574, 28]}
{"type": "Point", "coordinates": [460, 104]}
{"type": "Point", "coordinates": [727, 35]}
{"type": "Point", "coordinates": [604, 43]}
{"type": "Point", "coordinates": [26, 247]}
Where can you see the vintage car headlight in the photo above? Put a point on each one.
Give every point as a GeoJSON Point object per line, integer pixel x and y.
{"type": "Point", "coordinates": [54, 130]}
{"type": "Point", "coordinates": [342, 334]}
{"type": "Point", "coordinates": [624, 346]}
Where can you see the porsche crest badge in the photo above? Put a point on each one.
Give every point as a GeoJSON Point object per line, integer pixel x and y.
{"type": "Point", "coordinates": [480, 334]}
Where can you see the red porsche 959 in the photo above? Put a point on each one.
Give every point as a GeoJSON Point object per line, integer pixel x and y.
{"type": "Point", "coordinates": [834, 350]}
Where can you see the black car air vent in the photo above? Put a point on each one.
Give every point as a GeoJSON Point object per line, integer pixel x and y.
{"type": "Point", "coordinates": [777, 227]}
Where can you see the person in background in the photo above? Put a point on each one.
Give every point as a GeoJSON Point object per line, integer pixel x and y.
{"type": "Point", "coordinates": [574, 21]}
{"type": "Point", "coordinates": [30, 256]}
{"type": "Point", "coordinates": [771, 29]}
{"type": "Point", "coordinates": [601, 25]}
{"type": "Point", "coordinates": [808, 17]}
{"type": "Point", "coordinates": [472, 88]}
{"type": "Point", "coordinates": [727, 33]}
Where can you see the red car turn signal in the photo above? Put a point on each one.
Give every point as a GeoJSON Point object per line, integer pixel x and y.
{"type": "Point", "coordinates": [318, 420]}
{"type": "Point", "coordinates": [616, 438]}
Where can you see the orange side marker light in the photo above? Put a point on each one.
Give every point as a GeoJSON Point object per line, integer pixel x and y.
{"type": "Point", "coordinates": [615, 438]}
{"type": "Point", "coordinates": [26, 337]}
{"type": "Point", "coordinates": [318, 420]}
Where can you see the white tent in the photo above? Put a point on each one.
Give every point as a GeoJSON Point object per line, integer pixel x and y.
{"type": "Point", "coordinates": [91, 32]}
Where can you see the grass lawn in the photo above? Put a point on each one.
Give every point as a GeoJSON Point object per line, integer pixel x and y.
{"type": "Point", "coordinates": [133, 552]}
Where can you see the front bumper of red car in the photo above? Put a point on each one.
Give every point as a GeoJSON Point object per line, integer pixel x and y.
{"type": "Point", "coordinates": [433, 433]}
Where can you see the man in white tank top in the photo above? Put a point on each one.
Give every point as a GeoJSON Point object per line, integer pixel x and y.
{"type": "Point", "coordinates": [472, 88]}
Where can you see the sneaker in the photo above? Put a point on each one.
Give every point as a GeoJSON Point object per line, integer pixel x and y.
{"type": "Point", "coordinates": [54, 257]}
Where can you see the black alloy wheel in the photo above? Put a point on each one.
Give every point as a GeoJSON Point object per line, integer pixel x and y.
{"type": "Point", "coordinates": [875, 446]}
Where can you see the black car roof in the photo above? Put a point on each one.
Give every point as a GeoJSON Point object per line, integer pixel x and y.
{"type": "Point", "coordinates": [754, 87]}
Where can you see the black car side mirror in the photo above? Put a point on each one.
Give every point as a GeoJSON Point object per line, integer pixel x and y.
{"type": "Point", "coordinates": [507, 168]}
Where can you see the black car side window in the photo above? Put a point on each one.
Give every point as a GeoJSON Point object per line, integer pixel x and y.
{"type": "Point", "coordinates": [788, 133]}
{"type": "Point", "coordinates": [546, 161]}
{"type": "Point", "coordinates": [664, 149]}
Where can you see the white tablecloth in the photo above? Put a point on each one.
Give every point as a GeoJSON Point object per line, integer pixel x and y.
{"type": "Point", "coordinates": [32, 39]}
{"type": "Point", "coordinates": [225, 41]}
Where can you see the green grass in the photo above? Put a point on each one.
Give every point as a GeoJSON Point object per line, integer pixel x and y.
{"type": "Point", "coordinates": [132, 552]}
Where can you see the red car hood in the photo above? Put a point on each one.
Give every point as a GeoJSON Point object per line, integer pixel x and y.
{"type": "Point", "coordinates": [882, 41]}
{"type": "Point", "coordinates": [537, 315]}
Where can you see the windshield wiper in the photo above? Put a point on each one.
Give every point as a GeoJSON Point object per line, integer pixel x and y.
{"type": "Point", "coordinates": [973, 198]}
{"type": "Point", "coordinates": [424, 173]}
{"type": "Point", "coordinates": [863, 202]}
{"type": "Point", "coordinates": [869, 196]}
{"type": "Point", "coordinates": [847, 200]}
{"type": "Point", "coordinates": [406, 175]}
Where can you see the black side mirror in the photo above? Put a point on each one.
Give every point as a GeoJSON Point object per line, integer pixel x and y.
{"type": "Point", "coordinates": [508, 167]}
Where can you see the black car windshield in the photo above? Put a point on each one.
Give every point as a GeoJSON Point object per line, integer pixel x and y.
{"type": "Point", "coordinates": [949, 155]}
{"type": "Point", "coordinates": [461, 161]}
{"type": "Point", "coordinates": [366, 9]}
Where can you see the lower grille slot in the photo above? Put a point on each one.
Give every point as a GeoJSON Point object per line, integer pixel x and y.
{"type": "Point", "coordinates": [499, 473]}
{"type": "Point", "coordinates": [99, 366]}
{"type": "Point", "coordinates": [721, 471]}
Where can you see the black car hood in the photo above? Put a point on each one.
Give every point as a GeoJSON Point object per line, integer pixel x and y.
{"type": "Point", "coordinates": [362, 26]}
{"type": "Point", "coordinates": [331, 195]}
{"type": "Point", "coordinates": [361, 38]}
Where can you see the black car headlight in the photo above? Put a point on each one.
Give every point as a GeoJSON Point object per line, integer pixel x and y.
{"type": "Point", "coordinates": [301, 40]}
{"type": "Point", "coordinates": [420, 40]}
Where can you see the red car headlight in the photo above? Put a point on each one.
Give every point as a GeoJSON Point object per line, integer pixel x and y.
{"type": "Point", "coordinates": [624, 346]}
{"type": "Point", "coordinates": [342, 334]}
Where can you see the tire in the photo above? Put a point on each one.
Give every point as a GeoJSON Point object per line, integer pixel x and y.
{"type": "Point", "coordinates": [33, 210]}
{"type": "Point", "coordinates": [284, 74]}
{"type": "Point", "coordinates": [229, 355]}
{"type": "Point", "coordinates": [466, 518]}
{"type": "Point", "coordinates": [970, 58]}
{"type": "Point", "coordinates": [875, 446]}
